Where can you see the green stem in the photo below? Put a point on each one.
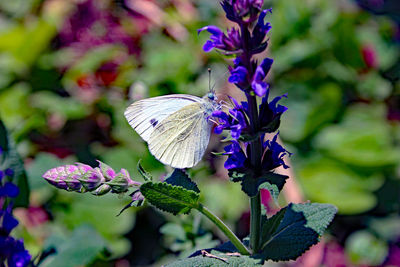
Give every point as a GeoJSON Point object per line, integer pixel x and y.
{"type": "Point", "coordinates": [255, 158]}
{"type": "Point", "coordinates": [255, 222]}
{"type": "Point", "coordinates": [224, 228]}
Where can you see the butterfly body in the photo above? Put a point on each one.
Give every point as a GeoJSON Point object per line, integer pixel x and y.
{"type": "Point", "coordinates": [176, 127]}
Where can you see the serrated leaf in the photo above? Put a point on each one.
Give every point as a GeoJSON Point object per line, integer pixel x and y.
{"type": "Point", "coordinates": [294, 229]}
{"type": "Point", "coordinates": [11, 159]}
{"type": "Point", "coordinates": [146, 175]}
{"type": "Point", "coordinates": [217, 259]}
{"type": "Point", "coordinates": [170, 198]}
{"type": "Point", "coordinates": [180, 178]}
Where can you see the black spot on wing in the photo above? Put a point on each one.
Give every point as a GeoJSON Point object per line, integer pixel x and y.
{"type": "Point", "coordinates": [153, 122]}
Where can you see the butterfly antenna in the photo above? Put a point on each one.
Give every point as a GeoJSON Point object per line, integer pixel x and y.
{"type": "Point", "coordinates": [219, 79]}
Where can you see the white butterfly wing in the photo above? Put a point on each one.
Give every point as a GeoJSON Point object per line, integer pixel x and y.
{"type": "Point", "coordinates": [181, 139]}
{"type": "Point", "coordinates": [144, 115]}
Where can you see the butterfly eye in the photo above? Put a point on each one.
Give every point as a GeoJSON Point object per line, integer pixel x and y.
{"type": "Point", "coordinates": [211, 96]}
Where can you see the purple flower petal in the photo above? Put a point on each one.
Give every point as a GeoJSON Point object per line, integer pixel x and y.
{"type": "Point", "coordinates": [238, 75]}
{"type": "Point", "coordinates": [10, 190]}
{"type": "Point", "coordinates": [208, 46]}
{"type": "Point", "coordinates": [214, 30]}
{"type": "Point", "coordinates": [9, 222]}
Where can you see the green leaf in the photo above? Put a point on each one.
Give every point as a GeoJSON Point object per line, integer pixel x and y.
{"type": "Point", "coordinates": [170, 198]}
{"type": "Point", "coordinates": [99, 212]}
{"type": "Point", "coordinates": [251, 184]}
{"type": "Point", "coordinates": [146, 175]}
{"type": "Point", "coordinates": [344, 184]}
{"type": "Point", "coordinates": [293, 230]}
{"type": "Point", "coordinates": [80, 249]}
{"type": "Point", "coordinates": [220, 260]}
{"type": "Point", "coordinates": [68, 107]}
{"type": "Point", "coordinates": [180, 178]}
{"type": "Point", "coordinates": [364, 138]}
{"type": "Point", "coordinates": [363, 248]}
{"type": "Point", "coordinates": [11, 159]}
{"type": "Point", "coordinates": [309, 111]}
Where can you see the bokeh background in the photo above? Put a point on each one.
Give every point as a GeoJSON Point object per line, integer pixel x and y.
{"type": "Point", "coordinates": [68, 69]}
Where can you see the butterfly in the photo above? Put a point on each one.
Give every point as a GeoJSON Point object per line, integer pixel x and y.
{"type": "Point", "coordinates": [177, 127]}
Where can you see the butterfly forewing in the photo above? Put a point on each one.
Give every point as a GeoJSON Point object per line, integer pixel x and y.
{"type": "Point", "coordinates": [176, 127]}
{"type": "Point", "coordinates": [145, 114]}
{"type": "Point", "coordinates": [182, 138]}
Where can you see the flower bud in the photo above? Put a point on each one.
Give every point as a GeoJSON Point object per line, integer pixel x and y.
{"type": "Point", "coordinates": [107, 171]}
{"type": "Point", "coordinates": [92, 179]}
{"type": "Point", "coordinates": [102, 190]}
{"type": "Point", "coordinates": [64, 177]}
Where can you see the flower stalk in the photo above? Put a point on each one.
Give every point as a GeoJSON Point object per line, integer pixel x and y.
{"type": "Point", "coordinates": [224, 228]}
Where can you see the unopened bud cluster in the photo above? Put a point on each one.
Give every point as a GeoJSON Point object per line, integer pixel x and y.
{"type": "Point", "coordinates": [83, 178]}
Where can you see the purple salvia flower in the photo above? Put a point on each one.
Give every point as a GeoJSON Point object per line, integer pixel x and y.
{"type": "Point", "coordinates": [271, 112]}
{"type": "Point", "coordinates": [238, 75]}
{"type": "Point", "coordinates": [273, 155]}
{"type": "Point", "coordinates": [1, 175]}
{"type": "Point", "coordinates": [8, 222]}
{"type": "Point", "coordinates": [236, 156]}
{"type": "Point", "coordinates": [9, 190]}
{"type": "Point", "coordinates": [260, 31]}
{"type": "Point", "coordinates": [242, 11]}
{"type": "Point", "coordinates": [15, 252]}
{"type": "Point", "coordinates": [235, 121]}
{"type": "Point", "coordinates": [229, 43]}
{"type": "Point", "coordinates": [259, 86]}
